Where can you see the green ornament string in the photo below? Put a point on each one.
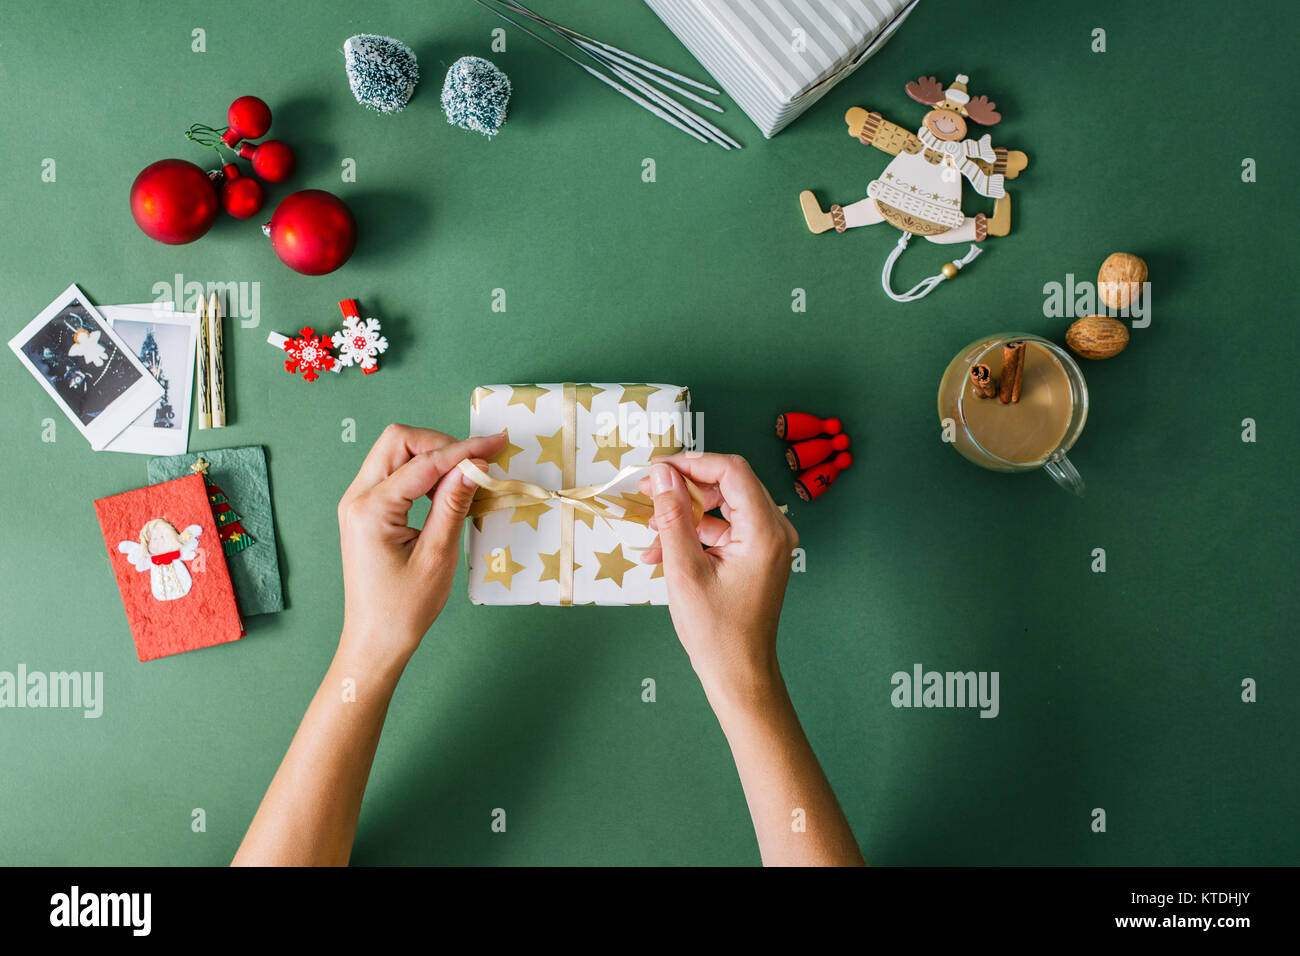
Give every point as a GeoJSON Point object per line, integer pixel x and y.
{"type": "Point", "coordinates": [206, 135]}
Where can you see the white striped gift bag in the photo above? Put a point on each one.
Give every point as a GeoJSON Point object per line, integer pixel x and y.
{"type": "Point", "coordinates": [776, 58]}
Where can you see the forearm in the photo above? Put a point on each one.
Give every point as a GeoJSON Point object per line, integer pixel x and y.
{"type": "Point", "coordinates": [309, 814]}
{"type": "Point", "coordinates": [796, 817]}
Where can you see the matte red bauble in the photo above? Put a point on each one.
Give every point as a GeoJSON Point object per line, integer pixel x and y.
{"type": "Point", "coordinates": [312, 232]}
{"type": "Point", "coordinates": [272, 159]}
{"type": "Point", "coordinates": [242, 196]}
{"type": "Point", "coordinates": [247, 118]}
{"type": "Point", "coordinates": [174, 201]}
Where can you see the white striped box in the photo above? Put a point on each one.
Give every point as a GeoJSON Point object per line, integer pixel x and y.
{"type": "Point", "coordinates": [776, 58]}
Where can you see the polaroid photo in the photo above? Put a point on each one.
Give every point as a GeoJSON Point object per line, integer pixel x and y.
{"type": "Point", "coordinates": [90, 372]}
{"type": "Point", "coordinates": [165, 342]}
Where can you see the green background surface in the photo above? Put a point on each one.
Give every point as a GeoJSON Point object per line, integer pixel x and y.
{"type": "Point", "coordinates": [1118, 690]}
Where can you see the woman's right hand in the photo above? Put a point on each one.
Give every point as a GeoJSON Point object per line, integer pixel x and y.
{"type": "Point", "coordinates": [726, 578]}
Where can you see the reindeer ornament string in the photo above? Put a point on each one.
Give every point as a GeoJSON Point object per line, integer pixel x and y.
{"type": "Point", "coordinates": [920, 190]}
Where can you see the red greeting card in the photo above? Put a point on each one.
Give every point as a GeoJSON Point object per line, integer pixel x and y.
{"type": "Point", "coordinates": [168, 561]}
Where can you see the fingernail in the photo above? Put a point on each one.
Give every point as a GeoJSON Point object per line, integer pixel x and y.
{"type": "Point", "coordinates": [660, 479]}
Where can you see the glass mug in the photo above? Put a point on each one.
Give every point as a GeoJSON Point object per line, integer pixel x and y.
{"type": "Point", "coordinates": [1059, 403]}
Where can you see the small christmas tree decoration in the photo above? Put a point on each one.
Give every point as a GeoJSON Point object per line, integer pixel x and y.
{"type": "Point", "coordinates": [920, 190]}
{"type": "Point", "coordinates": [309, 353]}
{"type": "Point", "coordinates": [381, 71]}
{"type": "Point", "coordinates": [358, 342]}
{"type": "Point", "coordinates": [476, 95]}
{"type": "Point", "coordinates": [232, 534]}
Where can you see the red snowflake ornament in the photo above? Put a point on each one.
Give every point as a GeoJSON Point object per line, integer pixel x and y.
{"type": "Point", "coordinates": [309, 353]}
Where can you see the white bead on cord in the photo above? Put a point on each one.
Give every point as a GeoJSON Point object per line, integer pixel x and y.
{"type": "Point", "coordinates": [925, 286]}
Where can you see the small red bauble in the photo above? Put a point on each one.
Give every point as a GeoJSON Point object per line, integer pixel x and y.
{"type": "Point", "coordinates": [173, 201]}
{"type": "Point", "coordinates": [247, 118]}
{"type": "Point", "coordinates": [312, 232]}
{"type": "Point", "coordinates": [272, 160]}
{"type": "Point", "coordinates": [242, 196]}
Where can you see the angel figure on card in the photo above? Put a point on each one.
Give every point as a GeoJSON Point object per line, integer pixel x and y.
{"type": "Point", "coordinates": [162, 551]}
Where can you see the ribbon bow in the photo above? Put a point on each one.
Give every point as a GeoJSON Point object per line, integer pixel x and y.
{"type": "Point", "coordinates": [499, 494]}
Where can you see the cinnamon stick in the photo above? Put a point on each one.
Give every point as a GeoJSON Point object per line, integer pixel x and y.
{"type": "Point", "coordinates": [981, 380]}
{"type": "Point", "coordinates": [1013, 370]}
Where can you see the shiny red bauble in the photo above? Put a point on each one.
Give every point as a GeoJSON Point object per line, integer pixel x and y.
{"type": "Point", "coordinates": [272, 160]}
{"type": "Point", "coordinates": [242, 196]}
{"type": "Point", "coordinates": [312, 232]}
{"type": "Point", "coordinates": [247, 118]}
{"type": "Point", "coordinates": [174, 201]}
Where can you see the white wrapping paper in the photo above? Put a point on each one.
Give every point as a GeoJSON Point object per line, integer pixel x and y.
{"type": "Point", "coordinates": [776, 58]}
{"type": "Point", "coordinates": [516, 555]}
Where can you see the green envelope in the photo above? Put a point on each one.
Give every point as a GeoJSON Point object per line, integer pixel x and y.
{"type": "Point", "coordinates": [241, 474]}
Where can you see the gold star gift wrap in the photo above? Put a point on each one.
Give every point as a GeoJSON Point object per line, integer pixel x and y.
{"type": "Point", "coordinates": [564, 436]}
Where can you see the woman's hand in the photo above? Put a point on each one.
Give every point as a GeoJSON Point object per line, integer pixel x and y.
{"type": "Point", "coordinates": [395, 582]}
{"type": "Point", "coordinates": [726, 583]}
{"type": "Point", "coordinates": [726, 578]}
{"type": "Point", "coordinates": [396, 578]}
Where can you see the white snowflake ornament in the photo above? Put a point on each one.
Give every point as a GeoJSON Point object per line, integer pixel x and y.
{"type": "Point", "coordinates": [358, 342]}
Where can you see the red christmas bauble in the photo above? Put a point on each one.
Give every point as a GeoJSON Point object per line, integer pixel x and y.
{"type": "Point", "coordinates": [272, 159]}
{"type": "Point", "coordinates": [173, 201]}
{"type": "Point", "coordinates": [312, 232]}
{"type": "Point", "coordinates": [242, 197]}
{"type": "Point", "coordinates": [248, 118]}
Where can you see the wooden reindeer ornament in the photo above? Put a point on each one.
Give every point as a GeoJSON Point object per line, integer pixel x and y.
{"type": "Point", "coordinates": [920, 190]}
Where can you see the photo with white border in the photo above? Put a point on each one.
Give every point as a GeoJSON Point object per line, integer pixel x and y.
{"type": "Point", "coordinates": [82, 364]}
{"type": "Point", "coordinates": [165, 342]}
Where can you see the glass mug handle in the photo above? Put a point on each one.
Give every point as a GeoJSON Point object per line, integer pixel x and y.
{"type": "Point", "coordinates": [1066, 475]}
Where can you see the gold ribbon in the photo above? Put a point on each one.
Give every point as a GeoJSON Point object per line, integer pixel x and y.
{"type": "Point", "coordinates": [500, 494]}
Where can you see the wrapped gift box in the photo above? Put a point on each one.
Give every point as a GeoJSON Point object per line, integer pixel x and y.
{"type": "Point", "coordinates": [565, 436]}
{"type": "Point", "coordinates": [776, 58]}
